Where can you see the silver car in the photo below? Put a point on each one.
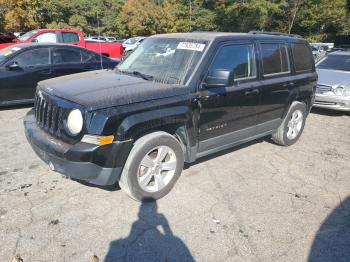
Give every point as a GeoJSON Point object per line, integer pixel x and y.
{"type": "Point", "coordinates": [333, 88]}
{"type": "Point", "coordinates": [131, 44]}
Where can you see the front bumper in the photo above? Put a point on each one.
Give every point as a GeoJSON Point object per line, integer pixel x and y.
{"type": "Point", "coordinates": [99, 165]}
{"type": "Point", "coordinates": [333, 102]}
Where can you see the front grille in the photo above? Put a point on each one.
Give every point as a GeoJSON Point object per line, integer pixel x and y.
{"type": "Point", "coordinates": [49, 116]}
{"type": "Point", "coordinates": [323, 89]}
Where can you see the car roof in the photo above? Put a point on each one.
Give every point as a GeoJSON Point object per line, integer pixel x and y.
{"type": "Point", "coordinates": [29, 45]}
{"type": "Point", "coordinates": [210, 36]}
{"type": "Point", "coordinates": [25, 46]}
{"type": "Point", "coordinates": [55, 30]}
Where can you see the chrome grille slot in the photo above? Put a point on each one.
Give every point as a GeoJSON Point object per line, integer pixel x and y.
{"type": "Point", "coordinates": [48, 116]}
{"type": "Point", "coordinates": [323, 89]}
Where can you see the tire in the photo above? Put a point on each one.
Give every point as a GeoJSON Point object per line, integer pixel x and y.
{"type": "Point", "coordinates": [145, 161]}
{"type": "Point", "coordinates": [291, 129]}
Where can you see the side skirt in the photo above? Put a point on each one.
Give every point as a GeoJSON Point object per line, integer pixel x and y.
{"type": "Point", "coordinates": [229, 140]}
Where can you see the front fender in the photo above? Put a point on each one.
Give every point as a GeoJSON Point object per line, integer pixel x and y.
{"type": "Point", "coordinates": [134, 125]}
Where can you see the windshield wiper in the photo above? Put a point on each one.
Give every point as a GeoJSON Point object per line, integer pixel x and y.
{"type": "Point", "coordinates": [139, 74]}
{"type": "Point", "coordinates": [144, 76]}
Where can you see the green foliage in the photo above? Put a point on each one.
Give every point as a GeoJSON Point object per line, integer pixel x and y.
{"type": "Point", "coordinates": [314, 19]}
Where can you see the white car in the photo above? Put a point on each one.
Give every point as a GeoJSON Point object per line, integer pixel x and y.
{"type": "Point", "coordinates": [131, 43]}
{"type": "Point", "coordinates": [101, 39]}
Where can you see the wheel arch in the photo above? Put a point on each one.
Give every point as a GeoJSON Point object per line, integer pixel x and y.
{"type": "Point", "coordinates": [175, 121]}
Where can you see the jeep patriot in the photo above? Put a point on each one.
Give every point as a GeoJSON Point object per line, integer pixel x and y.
{"type": "Point", "coordinates": [176, 98]}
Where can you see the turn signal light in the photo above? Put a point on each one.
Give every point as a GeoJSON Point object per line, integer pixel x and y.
{"type": "Point", "coordinates": [98, 140]}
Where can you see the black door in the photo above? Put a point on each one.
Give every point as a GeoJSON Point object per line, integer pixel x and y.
{"type": "Point", "coordinates": [229, 113]}
{"type": "Point", "coordinates": [72, 60]}
{"type": "Point", "coordinates": [277, 82]}
{"type": "Point", "coordinates": [19, 76]}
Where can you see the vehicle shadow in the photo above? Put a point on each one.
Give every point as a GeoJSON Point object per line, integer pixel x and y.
{"type": "Point", "coordinates": [332, 241]}
{"type": "Point", "coordinates": [22, 106]}
{"type": "Point", "coordinates": [150, 239]}
{"type": "Point", "coordinates": [325, 112]}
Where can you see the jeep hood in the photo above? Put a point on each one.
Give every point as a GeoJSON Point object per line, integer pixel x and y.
{"type": "Point", "coordinates": [107, 88]}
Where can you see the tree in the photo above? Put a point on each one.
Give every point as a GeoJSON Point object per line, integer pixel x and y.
{"type": "Point", "coordinates": [18, 15]}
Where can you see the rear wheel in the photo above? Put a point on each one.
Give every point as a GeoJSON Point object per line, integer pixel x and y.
{"type": "Point", "coordinates": [292, 126]}
{"type": "Point", "coordinates": [153, 166]}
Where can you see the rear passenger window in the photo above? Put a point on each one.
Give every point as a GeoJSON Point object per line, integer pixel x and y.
{"type": "Point", "coordinates": [275, 58]}
{"type": "Point", "coordinates": [237, 58]}
{"type": "Point", "coordinates": [303, 60]}
{"type": "Point", "coordinates": [70, 37]}
{"type": "Point", "coordinates": [66, 55]}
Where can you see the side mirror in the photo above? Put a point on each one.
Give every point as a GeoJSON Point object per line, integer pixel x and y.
{"type": "Point", "coordinates": [219, 78]}
{"type": "Point", "coordinates": [34, 40]}
{"type": "Point", "coordinates": [13, 66]}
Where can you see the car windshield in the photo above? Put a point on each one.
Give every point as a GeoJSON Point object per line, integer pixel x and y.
{"type": "Point", "coordinates": [164, 60]}
{"type": "Point", "coordinates": [335, 62]}
{"type": "Point", "coordinates": [26, 36]}
{"type": "Point", "coordinates": [8, 52]}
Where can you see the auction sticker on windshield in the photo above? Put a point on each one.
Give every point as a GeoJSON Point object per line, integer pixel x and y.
{"type": "Point", "coordinates": [191, 46]}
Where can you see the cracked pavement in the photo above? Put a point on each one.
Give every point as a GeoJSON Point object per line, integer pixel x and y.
{"type": "Point", "coordinates": [258, 202]}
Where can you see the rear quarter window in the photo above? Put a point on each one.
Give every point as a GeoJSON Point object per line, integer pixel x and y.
{"type": "Point", "coordinates": [275, 58]}
{"type": "Point", "coordinates": [66, 56]}
{"type": "Point", "coordinates": [303, 60]}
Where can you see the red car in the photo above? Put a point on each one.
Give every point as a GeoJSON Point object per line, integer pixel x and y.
{"type": "Point", "coordinates": [74, 37]}
{"type": "Point", "coordinates": [6, 39]}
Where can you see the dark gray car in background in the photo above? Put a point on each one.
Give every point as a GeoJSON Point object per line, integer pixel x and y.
{"type": "Point", "coordinates": [22, 66]}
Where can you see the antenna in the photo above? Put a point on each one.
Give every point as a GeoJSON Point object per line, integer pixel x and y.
{"type": "Point", "coordinates": [99, 43]}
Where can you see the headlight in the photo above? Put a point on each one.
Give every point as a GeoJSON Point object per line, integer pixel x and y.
{"type": "Point", "coordinates": [75, 122]}
{"type": "Point", "coordinates": [342, 91]}
{"type": "Point", "coordinates": [339, 91]}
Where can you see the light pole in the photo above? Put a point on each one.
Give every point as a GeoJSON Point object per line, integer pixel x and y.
{"type": "Point", "coordinates": [190, 15]}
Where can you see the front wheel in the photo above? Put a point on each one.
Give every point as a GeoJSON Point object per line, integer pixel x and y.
{"type": "Point", "coordinates": [153, 166]}
{"type": "Point", "coordinates": [292, 126]}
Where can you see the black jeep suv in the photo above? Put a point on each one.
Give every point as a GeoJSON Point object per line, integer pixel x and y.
{"type": "Point", "coordinates": [176, 98]}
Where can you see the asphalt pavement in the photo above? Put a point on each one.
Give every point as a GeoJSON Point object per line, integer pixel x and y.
{"type": "Point", "coordinates": [257, 202]}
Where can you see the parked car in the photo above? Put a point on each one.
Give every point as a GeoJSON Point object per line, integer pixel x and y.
{"type": "Point", "coordinates": [73, 37]}
{"type": "Point", "coordinates": [333, 89]}
{"type": "Point", "coordinates": [93, 40]}
{"type": "Point", "coordinates": [319, 51]}
{"type": "Point", "coordinates": [101, 39]}
{"type": "Point", "coordinates": [137, 125]}
{"type": "Point", "coordinates": [22, 66]}
{"type": "Point", "coordinates": [7, 39]}
{"type": "Point", "coordinates": [131, 43]}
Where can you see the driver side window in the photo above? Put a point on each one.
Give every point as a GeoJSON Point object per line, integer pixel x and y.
{"type": "Point", "coordinates": [237, 58]}
{"type": "Point", "coordinates": [34, 57]}
{"type": "Point", "coordinates": [46, 38]}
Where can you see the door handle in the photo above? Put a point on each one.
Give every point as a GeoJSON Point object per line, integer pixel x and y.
{"type": "Point", "coordinates": [251, 92]}
{"type": "Point", "coordinates": [290, 84]}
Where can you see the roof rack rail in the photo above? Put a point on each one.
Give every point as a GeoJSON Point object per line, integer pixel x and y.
{"type": "Point", "coordinates": [273, 33]}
